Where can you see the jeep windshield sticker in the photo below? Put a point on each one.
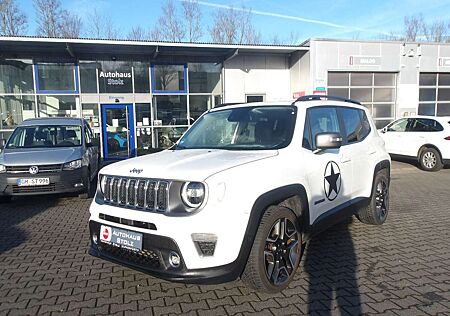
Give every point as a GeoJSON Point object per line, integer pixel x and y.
{"type": "Point", "coordinates": [332, 180]}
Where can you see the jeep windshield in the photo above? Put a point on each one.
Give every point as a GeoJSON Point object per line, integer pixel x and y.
{"type": "Point", "coordinates": [243, 128]}
{"type": "Point", "coordinates": [45, 136]}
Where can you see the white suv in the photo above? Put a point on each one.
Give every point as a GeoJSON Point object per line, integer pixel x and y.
{"type": "Point", "coordinates": [424, 138]}
{"type": "Point", "coordinates": [242, 191]}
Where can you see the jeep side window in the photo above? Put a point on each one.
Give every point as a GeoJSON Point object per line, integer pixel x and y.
{"type": "Point", "coordinates": [307, 135]}
{"type": "Point", "coordinates": [322, 120]}
{"type": "Point", "coordinates": [356, 125]}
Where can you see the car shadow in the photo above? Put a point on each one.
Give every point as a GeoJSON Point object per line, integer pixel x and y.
{"type": "Point", "coordinates": [330, 262]}
{"type": "Point", "coordinates": [17, 211]}
{"type": "Point", "coordinates": [413, 162]}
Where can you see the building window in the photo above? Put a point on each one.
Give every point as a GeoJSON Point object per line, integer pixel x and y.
{"type": "Point", "coordinates": [56, 78]}
{"type": "Point", "coordinates": [115, 77]}
{"type": "Point", "coordinates": [88, 77]}
{"type": "Point", "coordinates": [144, 138]}
{"type": "Point", "coordinates": [434, 94]}
{"type": "Point", "coordinates": [375, 90]}
{"type": "Point", "coordinates": [89, 112]}
{"type": "Point", "coordinates": [141, 77]}
{"type": "Point", "coordinates": [249, 98]}
{"type": "Point", "coordinates": [170, 109]}
{"type": "Point", "coordinates": [16, 76]}
{"type": "Point", "coordinates": [15, 109]}
{"type": "Point", "coordinates": [166, 137]}
{"type": "Point", "coordinates": [58, 105]}
{"type": "Point", "coordinates": [198, 104]}
{"type": "Point", "coordinates": [169, 78]}
{"type": "Point", "coordinates": [204, 78]}
{"type": "Point", "coordinates": [143, 114]}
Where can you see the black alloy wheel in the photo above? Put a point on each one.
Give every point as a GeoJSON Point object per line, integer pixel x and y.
{"type": "Point", "coordinates": [382, 199]}
{"type": "Point", "coordinates": [281, 251]}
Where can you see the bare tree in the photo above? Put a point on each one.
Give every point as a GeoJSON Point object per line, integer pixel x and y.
{"type": "Point", "coordinates": [53, 21]}
{"type": "Point", "coordinates": [101, 26]}
{"type": "Point", "coordinates": [414, 25]}
{"type": "Point", "coordinates": [234, 27]}
{"type": "Point", "coordinates": [70, 25]}
{"type": "Point", "coordinates": [292, 39]}
{"type": "Point", "coordinates": [12, 21]}
{"type": "Point", "coordinates": [436, 32]}
{"type": "Point", "coordinates": [168, 27]}
{"type": "Point", "coordinates": [137, 33]}
{"type": "Point", "coordinates": [192, 16]}
{"type": "Point", "coordinates": [48, 14]}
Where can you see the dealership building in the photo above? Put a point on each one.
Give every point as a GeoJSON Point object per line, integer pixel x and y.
{"type": "Point", "coordinates": [139, 97]}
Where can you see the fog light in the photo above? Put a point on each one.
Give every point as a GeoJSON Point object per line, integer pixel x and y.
{"type": "Point", "coordinates": [78, 185]}
{"type": "Point", "coordinates": [94, 238]}
{"type": "Point", "coordinates": [205, 243]}
{"type": "Point", "coordinates": [174, 259]}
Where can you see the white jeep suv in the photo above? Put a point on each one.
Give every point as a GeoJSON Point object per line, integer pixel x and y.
{"type": "Point", "coordinates": [424, 138]}
{"type": "Point", "coordinates": [242, 191]}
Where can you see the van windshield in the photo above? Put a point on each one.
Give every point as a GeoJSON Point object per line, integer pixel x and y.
{"type": "Point", "coordinates": [45, 136]}
{"type": "Point", "coordinates": [243, 128]}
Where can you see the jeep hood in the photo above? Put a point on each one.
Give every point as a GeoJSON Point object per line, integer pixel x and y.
{"type": "Point", "coordinates": [186, 164]}
{"type": "Point", "coordinates": [39, 156]}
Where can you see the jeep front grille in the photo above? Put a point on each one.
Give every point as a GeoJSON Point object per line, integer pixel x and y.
{"type": "Point", "coordinates": [152, 195]}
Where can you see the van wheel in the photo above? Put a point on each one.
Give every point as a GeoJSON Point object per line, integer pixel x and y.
{"type": "Point", "coordinates": [376, 212]}
{"type": "Point", "coordinates": [88, 188]}
{"type": "Point", "coordinates": [430, 160]}
{"type": "Point", "coordinates": [276, 251]}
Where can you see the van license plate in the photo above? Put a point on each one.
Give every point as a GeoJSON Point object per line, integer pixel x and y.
{"type": "Point", "coordinates": [121, 238]}
{"type": "Point", "coordinates": [32, 182]}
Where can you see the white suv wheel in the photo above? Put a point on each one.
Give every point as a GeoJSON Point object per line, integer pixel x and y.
{"type": "Point", "coordinates": [429, 160]}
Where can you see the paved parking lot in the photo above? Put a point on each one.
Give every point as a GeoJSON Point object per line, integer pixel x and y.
{"type": "Point", "coordinates": [400, 268]}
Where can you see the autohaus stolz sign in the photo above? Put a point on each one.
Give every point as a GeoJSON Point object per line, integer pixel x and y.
{"type": "Point", "coordinates": [115, 78]}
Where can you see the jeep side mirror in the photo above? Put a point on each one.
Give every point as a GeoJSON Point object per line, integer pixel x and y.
{"type": "Point", "coordinates": [328, 141]}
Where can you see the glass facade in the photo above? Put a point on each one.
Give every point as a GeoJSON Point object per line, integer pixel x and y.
{"type": "Point", "coordinates": [16, 76]}
{"type": "Point", "coordinates": [375, 90]}
{"type": "Point", "coordinates": [14, 109]}
{"type": "Point", "coordinates": [56, 77]}
{"type": "Point", "coordinates": [176, 95]}
{"type": "Point", "coordinates": [434, 94]}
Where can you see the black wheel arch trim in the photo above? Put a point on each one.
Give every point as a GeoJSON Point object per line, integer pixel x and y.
{"type": "Point", "coordinates": [425, 146]}
{"type": "Point", "coordinates": [384, 164]}
{"type": "Point", "coordinates": [293, 197]}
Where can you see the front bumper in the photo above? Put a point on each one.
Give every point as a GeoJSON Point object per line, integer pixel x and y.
{"type": "Point", "coordinates": [154, 260]}
{"type": "Point", "coordinates": [63, 181]}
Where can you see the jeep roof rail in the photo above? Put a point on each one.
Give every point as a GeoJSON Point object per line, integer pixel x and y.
{"type": "Point", "coordinates": [226, 104]}
{"type": "Point", "coordinates": [316, 97]}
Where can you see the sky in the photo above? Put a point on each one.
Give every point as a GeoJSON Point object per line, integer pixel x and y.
{"type": "Point", "coordinates": [340, 19]}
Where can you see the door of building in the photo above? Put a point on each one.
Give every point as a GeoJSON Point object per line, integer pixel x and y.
{"type": "Point", "coordinates": [117, 131]}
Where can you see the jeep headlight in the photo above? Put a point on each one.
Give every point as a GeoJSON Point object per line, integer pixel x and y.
{"type": "Point", "coordinates": [72, 165]}
{"type": "Point", "coordinates": [2, 168]}
{"type": "Point", "coordinates": [102, 183]}
{"type": "Point", "coordinates": [193, 194]}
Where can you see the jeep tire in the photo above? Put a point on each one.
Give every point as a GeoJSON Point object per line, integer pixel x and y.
{"type": "Point", "coordinates": [276, 251]}
{"type": "Point", "coordinates": [430, 159]}
{"type": "Point", "coordinates": [375, 213]}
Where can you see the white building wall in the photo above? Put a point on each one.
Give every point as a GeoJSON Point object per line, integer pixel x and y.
{"type": "Point", "coordinates": [256, 74]}
{"type": "Point", "coordinates": [408, 60]}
